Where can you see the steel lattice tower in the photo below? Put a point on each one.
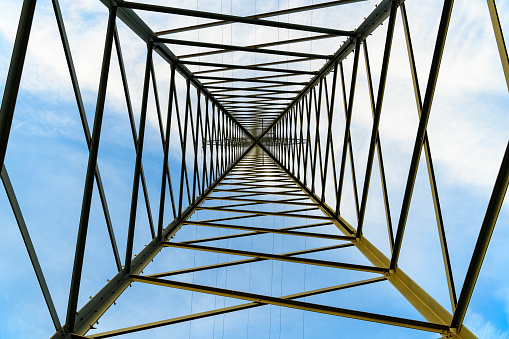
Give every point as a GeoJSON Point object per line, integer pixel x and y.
{"type": "Point", "coordinates": [254, 174]}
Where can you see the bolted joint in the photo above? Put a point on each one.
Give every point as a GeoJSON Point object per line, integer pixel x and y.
{"type": "Point", "coordinates": [390, 272]}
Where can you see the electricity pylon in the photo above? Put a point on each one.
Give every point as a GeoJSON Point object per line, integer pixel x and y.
{"type": "Point", "coordinates": [259, 162]}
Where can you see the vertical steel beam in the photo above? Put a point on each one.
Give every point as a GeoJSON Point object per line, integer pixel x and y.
{"type": "Point", "coordinates": [218, 148]}
{"type": "Point", "coordinates": [317, 134]}
{"type": "Point", "coordinates": [330, 112]}
{"type": "Point", "coordinates": [165, 158]}
{"type": "Point", "coordinates": [300, 155]}
{"type": "Point", "coordinates": [308, 124]}
{"type": "Point", "coordinates": [130, 113]}
{"type": "Point", "coordinates": [161, 132]}
{"type": "Point", "coordinates": [350, 149]}
{"type": "Point", "coordinates": [288, 137]}
{"type": "Point", "coordinates": [220, 125]}
{"type": "Point", "coordinates": [29, 247]}
{"type": "Point", "coordinates": [348, 123]}
{"type": "Point", "coordinates": [137, 166]}
{"type": "Point", "coordinates": [191, 132]}
{"type": "Point", "coordinates": [89, 179]}
{"type": "Point", "coordinates": [499, 35]}
{"type": "Point", "coordinates": [294, 147]}
{"type": "Point", "coordinates": [423, 122]}
{"type": "Point", "coordinates": [289, 126]}
{"type": "Point", "coordinates": [230, 136]}
{"type": "Point", "coordinates": [429, 163]}
{"type": "Point", "coordinates": [227, 139]}
{"type": "Point", "coordinates": [377, 115]}
{"type": "Point", "coordinates": [208, 132]}
{"type": "Point", "coordinates": [202, 141]}
{"type": "Point", "coordinates": [205, 178]}
{"type": "Point", "coordinates": [379, 150]}
{"type": "Point", "coordinates": [86, 129]}
{"type": "Point", "coordinates": [183, 141]}
{"type": "Point", "coordinates": [213, 166]}
{"type": "Point", "coordinates": [14, 74]}
{"type": "Point", "coordinates": [312, 155]}
{"type": "Point", "coordinates": [488, 225]}
{"type": "Point", "coordinates": [196, 178]}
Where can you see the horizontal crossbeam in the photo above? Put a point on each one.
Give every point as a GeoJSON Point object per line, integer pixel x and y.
{"type": "Point", "coordinates": [246, 261]}
{"type": "Point", "coordinates": [282, 213]}
{"type": "Point", "coordinates": [268, 230]}
{"type": "Point", "coordinates": [286, 202]}
{"type": "Point", "coordinates": [254, 68]}
{"type": "Point", "coordinates": [230, 309]}
{"type": "Point", "coordinates": [379, 318]}
{"type": "Point", "coordinates": [232, 18]}
{"type": "Point", "coordinates": [240, 48]}
{"type": "Point", "coordinates": [262, 15]}
{"type": "Point", "coordinates": [279, 257]}
{"type": "Point", "coordinates": [246, 234]}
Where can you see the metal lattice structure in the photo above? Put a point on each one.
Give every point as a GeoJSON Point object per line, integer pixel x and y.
{"type": "Point", "coordinates": [259, 156]}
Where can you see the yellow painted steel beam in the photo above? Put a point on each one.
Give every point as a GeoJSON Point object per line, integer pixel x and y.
{"type": "Point", "coordinates": [229, 309]}
{"type": "Point", "coordinates": [272, 230]}
{"type": "Point", "coordinates": [499, 35]}
{"type": "Point", "coordinates": [300, 305]}
{"type": "Point", "coordinates": [428, 307]}
{"type": "Point", "coordinates": [279, 257]}
{"type": "Point", "coordinates": [245, 261]}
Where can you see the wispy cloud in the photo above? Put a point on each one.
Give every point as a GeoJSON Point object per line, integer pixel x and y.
{"type": "Point", "coordinates": [468, 126]}
{"type": "Point", "coordinates": [483, 328]}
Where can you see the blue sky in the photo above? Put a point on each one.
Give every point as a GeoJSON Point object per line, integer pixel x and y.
{"type": "Point", "coordinates": [47, 157]}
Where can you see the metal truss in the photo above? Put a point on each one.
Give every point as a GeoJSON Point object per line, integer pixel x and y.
{"type": "Point", "coordinates": [249, 147]}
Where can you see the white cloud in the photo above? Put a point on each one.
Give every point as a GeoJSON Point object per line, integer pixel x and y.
{"type": "Point", "coordinates": [484, 329]}
{"type": "Point", "coordinates": [468, 120]}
